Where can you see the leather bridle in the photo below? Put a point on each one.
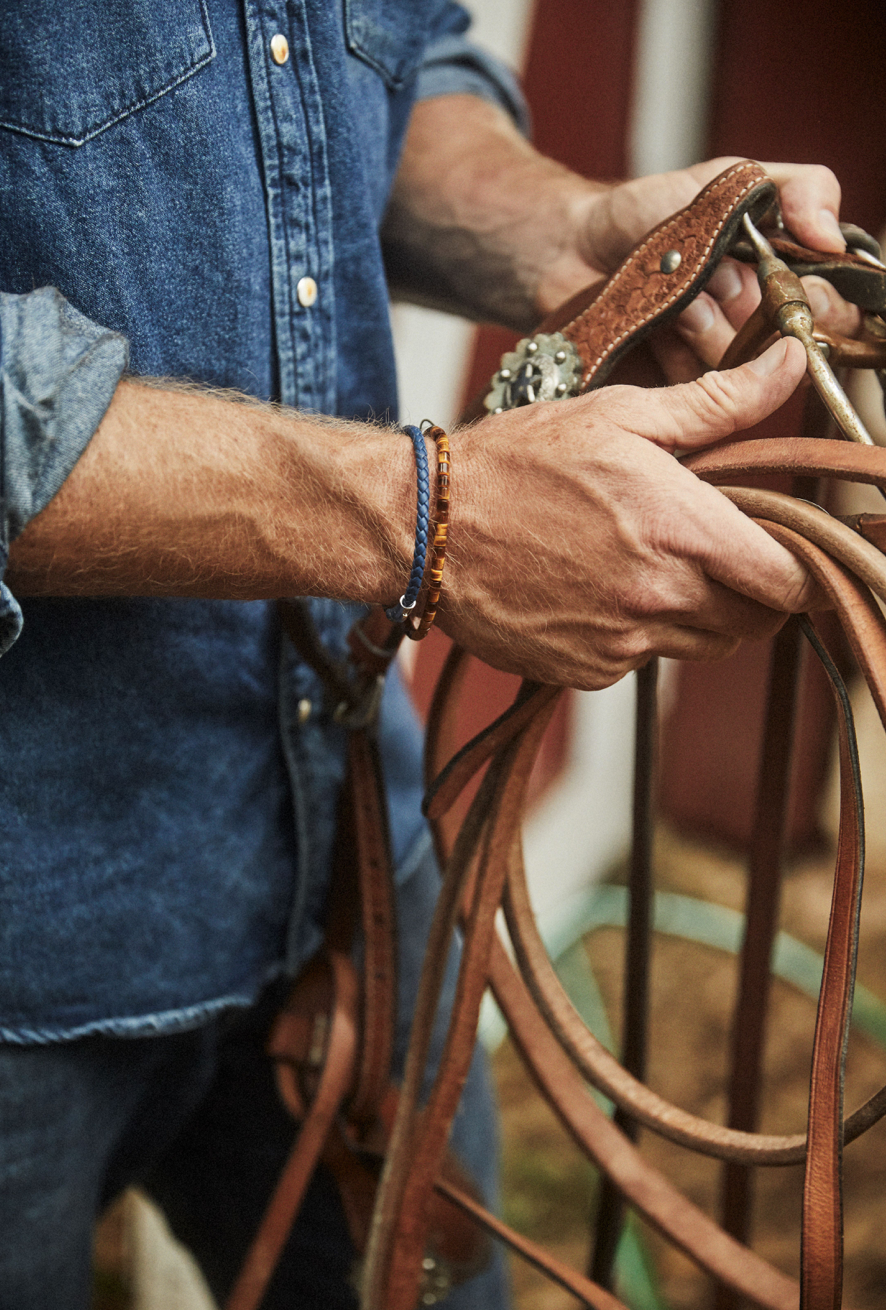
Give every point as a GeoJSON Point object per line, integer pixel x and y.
{"type": "Point", "coordinates": [334, 1071]}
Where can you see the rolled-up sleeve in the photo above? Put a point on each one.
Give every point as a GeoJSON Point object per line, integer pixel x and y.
{"type": "Point", "coordinates": [453, 65]}
{"type": "Point", "coordinates": [58, 372]}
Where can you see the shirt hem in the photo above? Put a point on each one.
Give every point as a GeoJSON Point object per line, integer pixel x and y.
{"type": "Point", "coordinates": [160, 1024]}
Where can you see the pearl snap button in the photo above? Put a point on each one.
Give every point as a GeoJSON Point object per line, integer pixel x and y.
{"type": "Point", "coordinates": [279, 48]}
{"type": "Point", "coordinates": [306, 290]}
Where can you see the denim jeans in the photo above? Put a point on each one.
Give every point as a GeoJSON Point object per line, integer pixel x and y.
{"type": "Point", "coordinates": [194, 1118]}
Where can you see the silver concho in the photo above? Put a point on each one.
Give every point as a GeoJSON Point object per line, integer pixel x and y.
{"type": "Point", "coordinates": [546, 367]}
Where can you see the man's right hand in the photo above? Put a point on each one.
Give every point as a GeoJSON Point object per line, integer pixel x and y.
{"type": "Point", "coordinates": [580, 546]}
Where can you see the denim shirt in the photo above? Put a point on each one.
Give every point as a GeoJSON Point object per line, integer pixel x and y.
{"type": "Point", "coordinates": [170, 173]}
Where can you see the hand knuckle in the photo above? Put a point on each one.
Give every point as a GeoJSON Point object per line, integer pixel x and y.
{"type": "Point", "coordinates": [628, 647]}
{"type": "Point", "coordinates": [715, 397]}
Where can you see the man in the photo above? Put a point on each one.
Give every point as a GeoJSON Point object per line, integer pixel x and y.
{"type": "Point", "coordinates": [207, 180]}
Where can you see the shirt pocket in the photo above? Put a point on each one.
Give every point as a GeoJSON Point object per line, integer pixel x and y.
{"type": "Point", "coordinates": [390, 35]}
{"type": "Point", "coordinates": [69, 71]}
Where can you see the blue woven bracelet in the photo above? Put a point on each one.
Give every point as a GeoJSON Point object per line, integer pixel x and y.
{"type": "Point", "coordinates": [397, 613]}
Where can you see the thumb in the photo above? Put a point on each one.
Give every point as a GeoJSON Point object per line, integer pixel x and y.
{"type": "Point", "coordinates": [718, 404]}
{"type": "Point", "coordinates": [810, 204]}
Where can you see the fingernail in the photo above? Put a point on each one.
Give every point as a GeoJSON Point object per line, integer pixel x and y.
{"type": "Point", "coordinates": [726, 283]}
{"type": "Point", "coordinates": [699, 317]}
{"type": "Point", "coordinates": [831, 228]}
{"type": "Point", "coordinates": [819, 300]}
{"type": "Point", "coordinates": [770, 361]}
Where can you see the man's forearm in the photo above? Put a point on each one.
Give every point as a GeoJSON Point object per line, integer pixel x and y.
{"type": "Point", "coordinates": [184, 492]}
{"type": "Point", "coordinates": [479, 222]}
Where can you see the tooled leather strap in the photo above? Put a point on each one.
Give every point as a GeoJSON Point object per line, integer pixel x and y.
{"type": "Point", "coordinates": [664, 273]}
{"type": "Point", "coordinates": [577, 346]}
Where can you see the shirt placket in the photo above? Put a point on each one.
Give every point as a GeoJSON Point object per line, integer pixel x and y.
{"type": "Point", "coordinates": [291, 126]}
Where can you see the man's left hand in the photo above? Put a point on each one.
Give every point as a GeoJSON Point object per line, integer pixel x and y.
{"type": "Point", "coordinates": [618, 218]}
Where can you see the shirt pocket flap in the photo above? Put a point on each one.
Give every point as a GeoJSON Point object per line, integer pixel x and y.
{"type": "Point", "coordinates": [69, 71]}
{"type": "Point", "coordinates": [390, 35]}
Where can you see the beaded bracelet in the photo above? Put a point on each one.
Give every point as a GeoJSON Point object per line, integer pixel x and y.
{"type": "Point", "coordinates": [397, 613]}
{"type": "Point", "coordinates": [418, 628]}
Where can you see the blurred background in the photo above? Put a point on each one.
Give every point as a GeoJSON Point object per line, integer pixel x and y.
{"type": "Point", "coordinates": [617, 90]}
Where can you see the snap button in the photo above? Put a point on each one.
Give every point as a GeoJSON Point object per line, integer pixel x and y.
{"type": "Point", "coordinates": [306, 290]}
{"type": "Point", "coordinates": [279, 48]}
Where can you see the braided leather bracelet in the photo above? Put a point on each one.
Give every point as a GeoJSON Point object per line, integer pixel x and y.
{"type": "Point", "coordinates": [397, 613]}
{"type": "Point", "coordinates": [416, 629]}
